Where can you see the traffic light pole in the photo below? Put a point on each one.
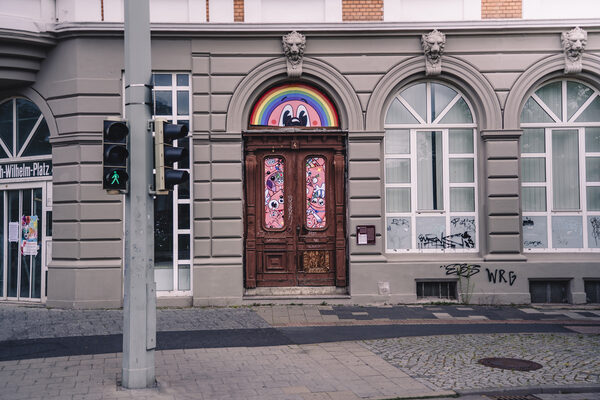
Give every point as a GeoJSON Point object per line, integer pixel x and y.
{"type": "Point", "coordinates": [139, 321]}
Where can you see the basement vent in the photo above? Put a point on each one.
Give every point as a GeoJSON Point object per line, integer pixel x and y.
{"type": "Point", "coordinates": [436, 289]}
{"type": "Point", "coordinates": [549, 291]}
{"type": "Point", "coordinates": [592, 291]}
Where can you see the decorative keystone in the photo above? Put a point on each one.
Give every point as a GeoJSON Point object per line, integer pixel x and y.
{"type": "Point", "coordinates": [294, 44]}
{"type": "Point", "coordinates": [433, 46]}
{"type": "Point", "coordinates": [573, 44]}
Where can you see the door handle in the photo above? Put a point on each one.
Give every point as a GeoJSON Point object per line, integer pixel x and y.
{"type": "Point", "coordinates": [298, 229]}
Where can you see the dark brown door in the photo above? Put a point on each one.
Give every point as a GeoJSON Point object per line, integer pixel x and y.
{"type": "Point", "coordinates": [295, 214]}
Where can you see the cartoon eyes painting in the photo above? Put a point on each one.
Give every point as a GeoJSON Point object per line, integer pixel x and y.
{"type": "Point", "coordinates": [294, 105]}
{"type": "Point", "coordinates": [274, 196]}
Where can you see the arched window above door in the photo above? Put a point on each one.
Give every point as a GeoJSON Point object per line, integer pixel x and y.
{"type": "Point", "coordinates": [23, 130]}
{"type": "Point", "coordinates": [294, 105]}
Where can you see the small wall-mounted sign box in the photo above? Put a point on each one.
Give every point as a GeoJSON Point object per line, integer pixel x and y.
{"type": "Point", "coordinates": [365, 234]}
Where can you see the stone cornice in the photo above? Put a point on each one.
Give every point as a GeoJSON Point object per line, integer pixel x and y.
{"type": "Point", "coordinates": [69, 29]}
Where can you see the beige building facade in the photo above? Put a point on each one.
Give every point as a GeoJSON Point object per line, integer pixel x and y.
{"type": "Point", "coordinates": [462, 165]}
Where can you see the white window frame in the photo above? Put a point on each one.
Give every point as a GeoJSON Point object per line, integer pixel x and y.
{"type": "Point", "coordinates": [562, 124]}
{"type": "Point", "coordinates": [174, 88]}
{"type": "Point", "coordinates": [429, 126]}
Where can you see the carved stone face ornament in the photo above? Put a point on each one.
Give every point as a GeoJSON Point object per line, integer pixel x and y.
{"type": "Point", "coordinates": [433, 46]}
{"type": "Point", "coordinates": [573, 43]}
{"type": "Point", "coordinates": [294, 44]}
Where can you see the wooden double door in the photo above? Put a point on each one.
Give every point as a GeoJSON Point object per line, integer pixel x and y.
{"type": "Point", "coordinates": [295, 211]}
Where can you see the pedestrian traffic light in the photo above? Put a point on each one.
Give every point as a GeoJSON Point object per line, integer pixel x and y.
{"type": "Point", "coordinates": [114, 155]}
{"type": "Point", "coordinates": [165, 155]}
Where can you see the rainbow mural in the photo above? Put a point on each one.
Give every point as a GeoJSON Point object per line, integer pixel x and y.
{"type": "Point", "coordinates": [294, 105]}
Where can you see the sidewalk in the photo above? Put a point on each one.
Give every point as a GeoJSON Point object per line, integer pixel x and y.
{"type": "Point", "coordinates": [403, 367]}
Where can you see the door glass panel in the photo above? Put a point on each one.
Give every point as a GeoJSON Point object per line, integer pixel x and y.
{"type": "Point", "coordinates": [274, 193]}
{"type": "Point", "coordinates": [13, 246]}
{"type": "Point", "coordinates": [315, 193]}
{"type": "Point", "coordinates": [183, 280]}
{"type": "Point", "coordinates": [26, 260]}
{"type": "Point", "coordinates": [163, 242]}
{"type": "Point", "coordinates": [37, 260]}
{"type": "Point", "coordinates": [2, 233]}
{"type": "Point", "coordinates": [27, 116]}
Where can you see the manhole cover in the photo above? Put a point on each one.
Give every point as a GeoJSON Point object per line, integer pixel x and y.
{"type": "Point", "coordinates": [514, 364]}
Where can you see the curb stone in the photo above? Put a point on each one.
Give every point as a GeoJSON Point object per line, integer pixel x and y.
{"type": "Point", "coordinates": [523, 390]}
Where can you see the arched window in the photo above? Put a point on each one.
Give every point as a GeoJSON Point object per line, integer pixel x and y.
{"type": "Point", "coordinates": [430, 171]}
{"type": "Point", "coordinates": [23, 130]}
{"type": "Point", "coordinates": [560, 165]}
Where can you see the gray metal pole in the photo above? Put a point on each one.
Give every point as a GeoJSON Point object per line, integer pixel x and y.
{"type": "Point", "coordinates": [139, 321]}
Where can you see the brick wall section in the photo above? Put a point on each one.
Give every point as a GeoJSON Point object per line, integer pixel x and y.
{"type": "Point", "coordinates": [501, 9]}
{"type": "Point", "coordinates": [238, 10]}
{"type": "Point", "coordinates": [362, 10]}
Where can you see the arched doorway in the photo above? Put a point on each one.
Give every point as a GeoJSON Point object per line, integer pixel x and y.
{"type": "Point", "coordinates": [25, 200]}
{"type": "Point", "coordinates": [294, 188]}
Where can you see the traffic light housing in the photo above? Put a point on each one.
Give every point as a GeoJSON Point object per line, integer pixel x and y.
{"type": "Point", "coordinates": [115, 155]}
{"type": "Point", "coordinates": [165, 155]}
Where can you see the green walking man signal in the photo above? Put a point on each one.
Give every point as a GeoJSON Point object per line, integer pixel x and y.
{"type": "Point", "coordinates": [115, 156]}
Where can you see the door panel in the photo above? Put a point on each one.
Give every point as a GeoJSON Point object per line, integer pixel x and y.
{"type": "Point", "coordinates": [294, 235]}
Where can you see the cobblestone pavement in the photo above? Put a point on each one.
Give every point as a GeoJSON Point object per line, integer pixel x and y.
{"type": "Point", "coordinates": [22, 322]}
{"type": "Point", "coordinates": [450, 362]}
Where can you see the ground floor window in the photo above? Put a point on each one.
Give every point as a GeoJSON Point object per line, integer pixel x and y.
{"type": "Point", "coordinates": [172, 212]}
{"type": "Point", "coordinates": [560, 165]}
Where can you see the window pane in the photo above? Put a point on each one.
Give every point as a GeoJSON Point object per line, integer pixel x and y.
{"type": "Point", "coordinates": [397, 141]}
{"type": "Point", "coordinates": [533, 141]}
{"type": "Point", "coordinates": [462, 199]}
{"type": "Point", "coordinates": [429, 171]}
{"type": "Point", "coordinates": [460, 141]}
{"type": "Point", "coordinates": [398, 114]}
{"type": "Point", "coordinates": [594, 231]}
{"type": "Point", "coordinates": [533, 112]}
{"type": "Point", "coordinates": [592, 169]}
{"type": "Point", "coordinates": [183, 80]}
{"type": "Point", "coordinates": [183, 102]}
{"type": "Point", "coordinates": [591, 113]}
{"type": "Point", "coordinates": [592, 140]}
{"type": "Point", "coordinates": [458, 114]}
{"type": "Point", "coordinates": [183, 216]}
{"type": "Point", "coordinates": [183, 248]}
{"type": "Point", "coordinates": [593, 198]}
{"type": "Point", "coordinates": [183, 277]}
{"type": "Point", "coordinates": [163, 276]}
{"type": "Point", "coordinates": [551, 95]}
{"type": "Point", "coordinates": [316, 216]}
{"type": "Point", "coordinates": [40, 142]}
{"type": "Point", "coordinates": [463, 232]}
{"type": "Point", "coordinates": [397, 199]}
{"type": "Point", "coordinates": [6, 126]}
{"type": "Point", "coordinates": [27, 116]}
{"type": "Point", "coordinates": [567, 232]}
{"type": "Point", "coordinates": [163, 229]}
{"type": "Point", "coordinates": [416, 96]}
{"type": "Point", "coordinates": [535, 232]}
{"type": "Point", "coordinates": [274, 193]}
{"type": "Point", "coordinates": [163, 102]}
{"type": "Point", "coordinates": [577, 94]}
{"type": "Point", "coordinates": [565, 169]}
{"type": "Point", "coordinates": [398, 233]}
{"type": "Point", "coordinates": [431, 233]}
{"type": "Point", "coordinates": [185, 143]}
{"type": "Point", "coordinates": [183, 190]}
{"type": "Point", "coordinates": [441, 96]}
{"type": "Point", "coordinates": [534, 198]}
{"type": "Point", "coordinates": [534, 169]}
{"type": "Point", "coordinates": [162, 79]}
{"type": "Point", "coordinates": [461, 170]}
{"type": "Point", "coordinates": [397, 170]}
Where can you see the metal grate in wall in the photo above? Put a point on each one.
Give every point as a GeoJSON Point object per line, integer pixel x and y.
{"type": "Point", "coordinates": [437, 289]}
{"type": "Point", "coordinates": [549, 291]}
